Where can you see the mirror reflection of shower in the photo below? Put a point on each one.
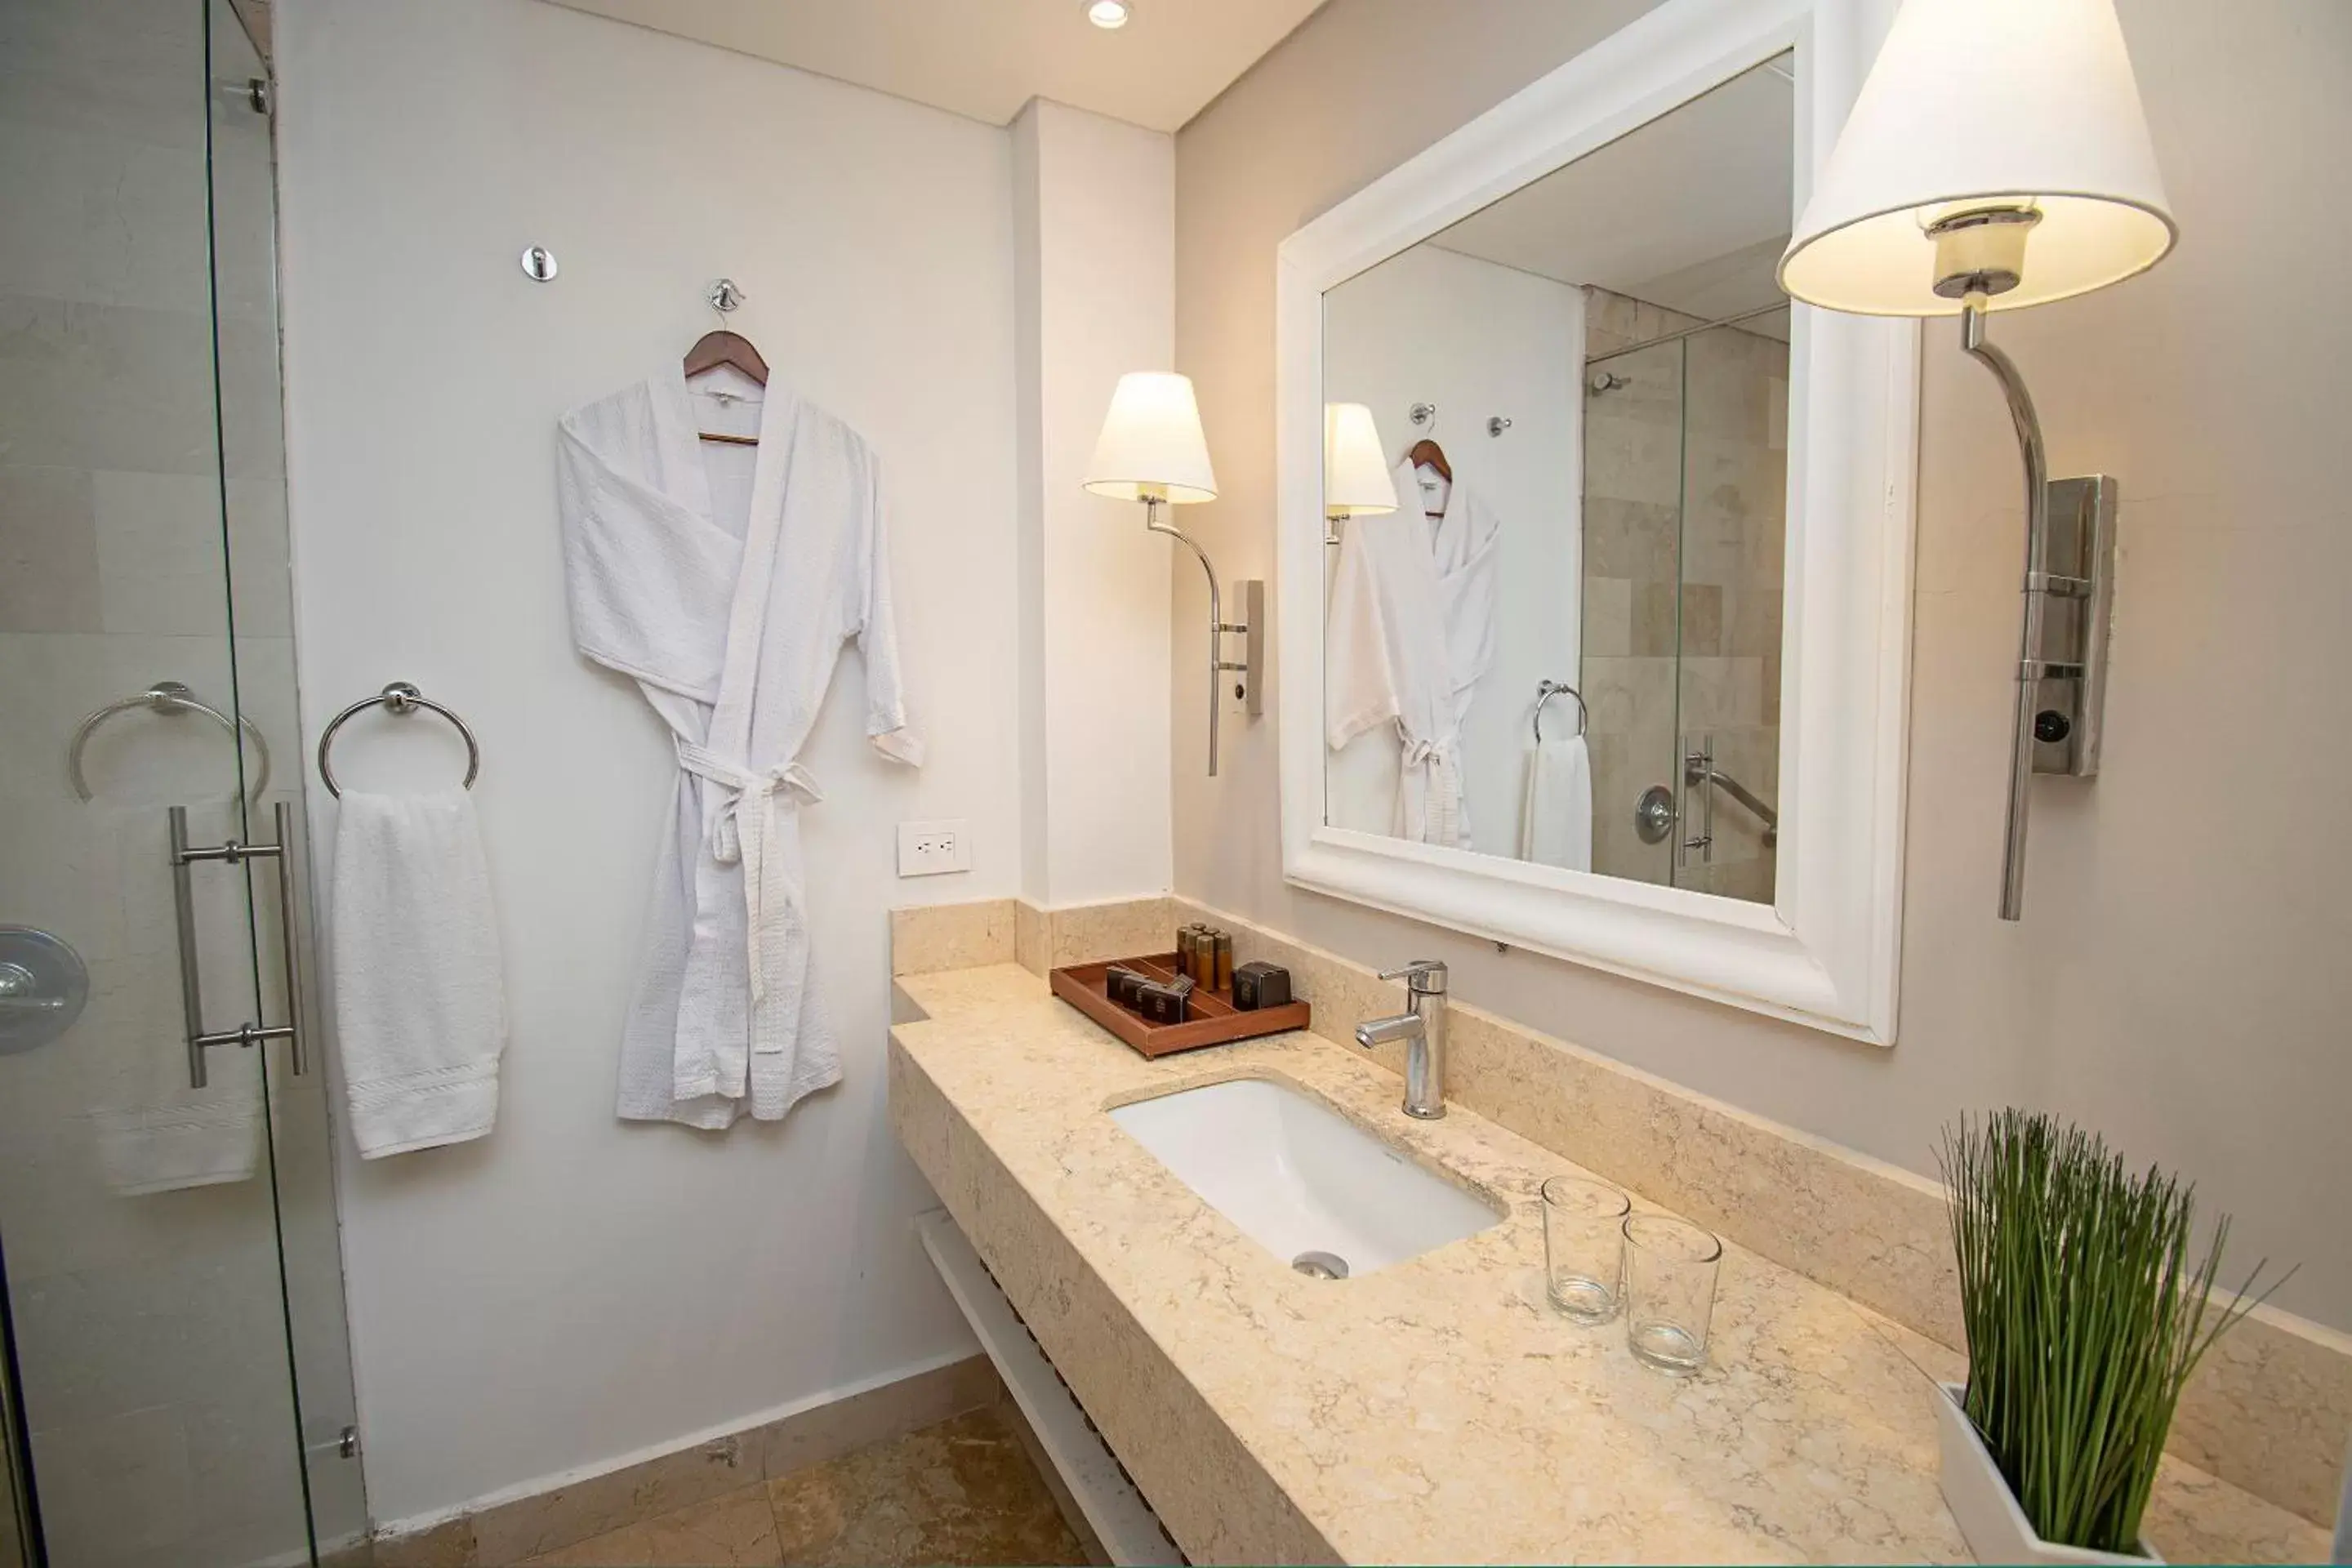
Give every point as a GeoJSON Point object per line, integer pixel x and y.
{"type": "Point", "coordinates": [1602, 508]}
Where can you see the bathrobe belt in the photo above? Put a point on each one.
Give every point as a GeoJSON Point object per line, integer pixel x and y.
{"type": "Point", "coordinates": [743, 830]}
{"type": "Point", "coordinates": [1430, 789]}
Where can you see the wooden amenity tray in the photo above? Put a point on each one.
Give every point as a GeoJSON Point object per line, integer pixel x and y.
{"type": "Point", "coordinates": [1214, 1020]}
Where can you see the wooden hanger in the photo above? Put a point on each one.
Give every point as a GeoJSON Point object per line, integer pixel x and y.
{"type": "Point", "coordinates": [1429, 453]}
{"type": "Point", "coordinates": [714, 349]}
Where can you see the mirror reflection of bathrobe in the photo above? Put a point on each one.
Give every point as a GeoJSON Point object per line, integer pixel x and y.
{"type": "Point", "coordinates": [1410, 631]}
{"type": "Point", "coordinates": [731, 619]}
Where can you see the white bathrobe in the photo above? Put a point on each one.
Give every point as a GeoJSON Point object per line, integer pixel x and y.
{"type": "Point", "coordinates": [730, 626]}
{"type": "Point", "coordinates": [1410, 629]}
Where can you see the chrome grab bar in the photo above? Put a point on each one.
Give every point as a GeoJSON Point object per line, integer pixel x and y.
{"type": "Point", "coordinates": [1698, 768]}
{"type": "Point", "coordinates": [184, 911]}
{"type": "Point", "coordinates": [167, 696]}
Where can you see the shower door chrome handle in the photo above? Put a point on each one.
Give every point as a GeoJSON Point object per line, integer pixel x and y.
{"type": "Point", "coordinates": [183, 910]}
{"type": "Point", "coordinates": [282, 818]}
{"type": "Point", "coordinates": [1698, 772]}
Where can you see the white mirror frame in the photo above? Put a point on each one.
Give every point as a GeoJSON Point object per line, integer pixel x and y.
{"type": "Point", "coordinates": [1826, 954]}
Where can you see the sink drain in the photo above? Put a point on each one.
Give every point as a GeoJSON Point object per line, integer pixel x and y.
{"type": "Point", "coordinates": [1321, 1265]}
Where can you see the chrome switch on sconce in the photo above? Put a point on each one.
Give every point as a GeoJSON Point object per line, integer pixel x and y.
{"type": "Point", "coordinates": [1958, 187]}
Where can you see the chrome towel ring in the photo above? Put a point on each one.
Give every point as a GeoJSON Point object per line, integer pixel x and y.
{"type": "Point", "coordinates": [1548, 689]}
{"type": "Point", "coordinates": [400, 697]}
{"type": "Point", "coordinates": [167, 696]}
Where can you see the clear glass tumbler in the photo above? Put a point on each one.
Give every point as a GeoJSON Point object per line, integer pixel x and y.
{"type": "Point", "coordinates": [1584, 1247]}
{"type": "Point", "coordinates": [1670, 1269]}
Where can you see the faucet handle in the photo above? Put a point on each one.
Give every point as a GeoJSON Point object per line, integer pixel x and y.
{"type": "Point", "coordinates": [1424, 975]}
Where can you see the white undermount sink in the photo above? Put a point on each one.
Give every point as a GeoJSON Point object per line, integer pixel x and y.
{"type": "Point", "coordinates": [1300, 1180]}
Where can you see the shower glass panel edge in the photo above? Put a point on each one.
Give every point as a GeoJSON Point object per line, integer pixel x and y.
{"type": "Point", "coordinates": [242, 208]}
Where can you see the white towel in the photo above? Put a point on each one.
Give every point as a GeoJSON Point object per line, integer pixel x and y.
{"type": "Point", "coordinates": [420, 1006]}
{"type": "Point", "coordinates": [154, 1133]}
{"type": "Point", "coordinates": [1556, 805]}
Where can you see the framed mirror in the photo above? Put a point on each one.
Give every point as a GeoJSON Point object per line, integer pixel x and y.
{"type": "Point", "coordinates": [1595, 553]}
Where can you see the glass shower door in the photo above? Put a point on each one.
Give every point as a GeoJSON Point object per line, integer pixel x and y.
{"type": "Point", "coordinates": [168, 1243]}
{"type": "Point", "coordinates": [1685, 483]}
{"type": "Point", "coordinates": [242, 191]}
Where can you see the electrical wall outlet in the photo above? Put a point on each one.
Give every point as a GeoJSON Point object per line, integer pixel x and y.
{"type": "Point", "coordinates": [929, 849]}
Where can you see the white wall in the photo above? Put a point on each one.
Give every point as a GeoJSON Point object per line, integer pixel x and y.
{"type": "Point", "coordinates": [572, 1288]}
{"type": "Point", "coordinates": [1095, 205]}
{"type": "Point", "coordinates": [1479, 340]}
{"type": "Point", "coordinates": [2178, 980]}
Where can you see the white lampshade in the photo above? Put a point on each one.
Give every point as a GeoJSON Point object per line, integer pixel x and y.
{"type": "Point", "coordinates": [1355, 481]}
{"type": "Point", "coordinates": [1977, 104]}
{"type": "Point", "coordinates": [1152, 448]}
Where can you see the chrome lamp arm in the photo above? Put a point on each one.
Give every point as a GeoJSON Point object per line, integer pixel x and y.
{"type": "Point", "coordinates": [1218, 664]}
{"type": "Point", "coordinates": [2031, 668]}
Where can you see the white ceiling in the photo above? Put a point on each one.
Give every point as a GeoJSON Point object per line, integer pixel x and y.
{"type": "Point", "coordinates": [987, 58]}
{"type": "Point", "coordinates": [1689, 211]}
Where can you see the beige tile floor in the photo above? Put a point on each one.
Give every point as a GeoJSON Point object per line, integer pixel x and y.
{"type": "Point", "coordinates": [963, 1491]}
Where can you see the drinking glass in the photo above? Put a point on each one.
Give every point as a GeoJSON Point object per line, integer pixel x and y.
{"type": "Point", "coordinates": [1584, 1247]}
{"type": "Point", "coordinates": [1670, 1269]}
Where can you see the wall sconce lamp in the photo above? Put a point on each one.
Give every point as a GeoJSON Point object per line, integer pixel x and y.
{"type": "Point", "coordinates": [1356, 479]}
{"type": "Point", "coordinates": [1997, 157]}
{"type": "Point", "coordinates": [1151, 450]}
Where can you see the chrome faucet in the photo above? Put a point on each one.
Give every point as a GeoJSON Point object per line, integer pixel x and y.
{"type": "Point", "coordinates": [1422, 1030]}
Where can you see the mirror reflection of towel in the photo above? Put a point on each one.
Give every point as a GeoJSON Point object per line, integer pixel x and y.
{"type": "Point", "coordinates": [1556, 806]}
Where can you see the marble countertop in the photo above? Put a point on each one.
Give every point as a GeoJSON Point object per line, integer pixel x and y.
{"type": "Point", "coordinates": [1437, 1410]}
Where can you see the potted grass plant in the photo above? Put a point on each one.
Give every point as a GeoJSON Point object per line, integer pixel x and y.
{"type": "Point", "coordinates": [2086, 1307]}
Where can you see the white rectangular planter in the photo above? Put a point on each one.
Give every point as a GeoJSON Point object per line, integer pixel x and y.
{"type": "Point", "coordinates": [1994, 1526]}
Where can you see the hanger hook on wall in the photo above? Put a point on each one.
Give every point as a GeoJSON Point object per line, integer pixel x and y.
{"type": "Point", "coordinates": [1424, 416]}
{"type": "Point", "coordinates": [725, 295]}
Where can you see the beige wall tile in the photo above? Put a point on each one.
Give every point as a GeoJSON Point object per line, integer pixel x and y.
{"type": "Point", "coordinates": [932, 937]}
{"type": "Point", "coordinates": [1702, 619]}
{"type": "Point", "coordinates": [1754, 621]}
{"type": "Point", "coordinates": [49, 552]}
{"type": "Point", "coordinates": [1608, 615]}
{"type": "Point", "coordinates": [1653, 628]}
{"type": "Point", "coordinates": [1633, 539]}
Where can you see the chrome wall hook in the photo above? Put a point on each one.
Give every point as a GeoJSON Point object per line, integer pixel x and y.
{"type": "Point", "coordinates": [538, 264]}
{"type": "Point", "coordinates": [726, 295]}
{"type": "Point", "coordinates": [1423, 416]}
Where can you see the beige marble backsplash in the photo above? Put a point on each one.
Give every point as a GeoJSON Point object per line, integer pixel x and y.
{"type": "Point", "coordinates": [2271, 1411]}
{"type": "Point", "coordinates": [935, 937]}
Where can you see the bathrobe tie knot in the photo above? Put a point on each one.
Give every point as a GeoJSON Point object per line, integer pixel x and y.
{"type": "Point", "coordinates": [1429, 801]}
{"type": "Point", "coordinates": [742, 830]}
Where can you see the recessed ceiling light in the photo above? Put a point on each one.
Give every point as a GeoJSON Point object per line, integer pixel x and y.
{"type": "Point", "coordinates": [1108, 13]}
